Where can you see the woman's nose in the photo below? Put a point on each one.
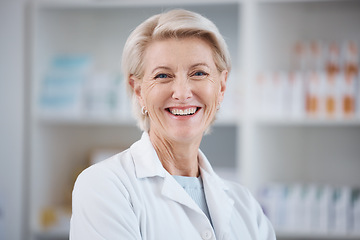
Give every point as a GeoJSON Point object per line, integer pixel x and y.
{"type": "Point", "coordinates": [182, 89]}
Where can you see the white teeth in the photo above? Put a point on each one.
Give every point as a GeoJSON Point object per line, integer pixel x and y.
{"type": "Point", "coordinates": [181, 112]}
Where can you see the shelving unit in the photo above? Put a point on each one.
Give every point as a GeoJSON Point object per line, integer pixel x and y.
{"type": "Point", "coordinates": [299, 235]}
{"type": "Point", "coordinates": [249, 149]}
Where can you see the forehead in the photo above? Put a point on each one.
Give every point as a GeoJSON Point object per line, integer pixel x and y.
{"type": "Point", "coordinates": [175, 52]}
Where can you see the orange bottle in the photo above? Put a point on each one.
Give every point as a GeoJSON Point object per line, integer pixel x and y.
{"type": "Point", "coordinates": [348, 99]}
{"type": "Point", "coordinates": [351, 58]}
{"type": "Point", "coordinates": [330, 99]}
{"type": "Point", "coordinates": [333, 59]}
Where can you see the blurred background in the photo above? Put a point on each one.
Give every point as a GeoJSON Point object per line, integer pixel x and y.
{"type": "Point", "coordinates": [289, 127]}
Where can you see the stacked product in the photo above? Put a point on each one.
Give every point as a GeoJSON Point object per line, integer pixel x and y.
{"type": "Point", "coordinates": [324, 83]}
{"type": "Point", "coordinates": [312, 208]}
{"type": "Point", "coordinates": [73, 87]}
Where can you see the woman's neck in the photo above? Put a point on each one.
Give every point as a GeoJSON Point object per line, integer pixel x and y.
{"type": "Point", "coordinates": [178, 158]}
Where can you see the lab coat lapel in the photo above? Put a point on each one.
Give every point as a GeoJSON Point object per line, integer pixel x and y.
{"type": "Point", "coordinates": [220, 205]}
{"type": "Point", "coordinates": [172, 190]}
{"type": "Point", "coordinates": [147, 164]}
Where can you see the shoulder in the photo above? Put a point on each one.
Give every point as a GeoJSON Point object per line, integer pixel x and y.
{"type": "Point", "coordinates": [109, 167]}
{"type": "Point", "coordinates": [242, 195]}
{"type": "Point", "coordinates": [102, 196]}
{"type": "Point", "coordinates": [238, 188]}
{"type": "Point", "coordinates": [106, 175]}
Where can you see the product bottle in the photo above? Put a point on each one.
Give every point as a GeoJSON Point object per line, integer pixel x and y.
{"type": "Point", "coordinates": [314, 94]}
{"type": "Point", "coordinates": [351, 58]}
{"type": "Point", "coordinates": [330, 95]}
{"type": "Point", "coordinates": [333, 59]}
{"type": "Point", "coordinates": [297, 94]}
{"type": "Point", "coordinates": [348, 99]}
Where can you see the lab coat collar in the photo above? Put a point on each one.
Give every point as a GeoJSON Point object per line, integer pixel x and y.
{"type": "Point", "coordinates": [146, 161]}
{"type": "Point", "coordinates": [147, 164]}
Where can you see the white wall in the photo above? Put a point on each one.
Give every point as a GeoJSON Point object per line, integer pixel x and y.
{"type": "Point", "coordinates": [11, 119]}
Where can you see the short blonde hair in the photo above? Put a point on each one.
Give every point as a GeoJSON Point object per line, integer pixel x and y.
{"type": "Point", "coordinates": [174, 24]}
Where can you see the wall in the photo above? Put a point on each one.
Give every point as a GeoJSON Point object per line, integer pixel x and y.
{"type": "Point", "coordinates": [11, 119]}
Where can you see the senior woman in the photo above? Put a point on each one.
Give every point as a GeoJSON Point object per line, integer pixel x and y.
{"type": "Point", "coordinates": [163, 187]}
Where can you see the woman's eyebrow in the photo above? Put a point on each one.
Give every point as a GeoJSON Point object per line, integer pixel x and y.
{"type": "Point", "coordinates": [168, 68]}
{"type": "Point", "coordinates": [160, 67]}
{"type": "Point", "coordinates": [199, 64]}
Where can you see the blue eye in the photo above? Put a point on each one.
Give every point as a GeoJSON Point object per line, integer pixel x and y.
{"type": "Point", "coordinates": [199, 74]}
{"type": "Point", "coordinates": [161, 75]}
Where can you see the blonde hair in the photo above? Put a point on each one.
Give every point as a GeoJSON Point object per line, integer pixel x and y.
{"type": "Point", "coordinates": [174, 24]}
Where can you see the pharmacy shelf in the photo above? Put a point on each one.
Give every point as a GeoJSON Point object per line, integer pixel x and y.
{"type": "Point", "coordinates": [114, 121]}
{"type": "Point", "coordinates": [53, 235]}
{"type": "Point", "coordinates": [307, 121]}
{"type": "Point", "coordinates": [106, 121]}
{"type": "Point", "coordinates": [259, 34]}
{"type": "Point", "coordinates": [305, 235]}
{"type": "Point", "coordinates": [56, 235]}
{"type": "Point", "coordinates": [297, 1]}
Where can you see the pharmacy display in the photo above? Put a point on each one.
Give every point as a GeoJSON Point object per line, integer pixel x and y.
{"type": "Point", "coordinates": [324, 83]}
{"type": "Point", "coordinates": [72, 87]}
{"type": "Point", "coordinates": [312, 208]}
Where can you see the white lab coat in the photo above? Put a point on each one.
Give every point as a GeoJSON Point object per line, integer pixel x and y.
{"type": "Point", "coordinates": [131, 196]}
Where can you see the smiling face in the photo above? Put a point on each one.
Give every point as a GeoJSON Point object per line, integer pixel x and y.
{"type": "Point", "coordinates": [181, 88]}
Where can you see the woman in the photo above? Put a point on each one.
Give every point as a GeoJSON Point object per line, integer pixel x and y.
{"type": "Point", "coordinates": [163, 187]}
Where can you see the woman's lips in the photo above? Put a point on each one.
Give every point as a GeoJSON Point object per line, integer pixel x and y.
{"type": "Point", "coordinates": [182, 111]}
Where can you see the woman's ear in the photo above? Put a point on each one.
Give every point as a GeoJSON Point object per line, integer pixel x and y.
{"type": "Point", "coordinates": [135, 83]}
{"type": "Point", "coordinates": [223, 80]}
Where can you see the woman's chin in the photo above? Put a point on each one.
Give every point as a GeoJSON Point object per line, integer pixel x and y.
{"type": "Point", "coordinates": [185, 134]}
